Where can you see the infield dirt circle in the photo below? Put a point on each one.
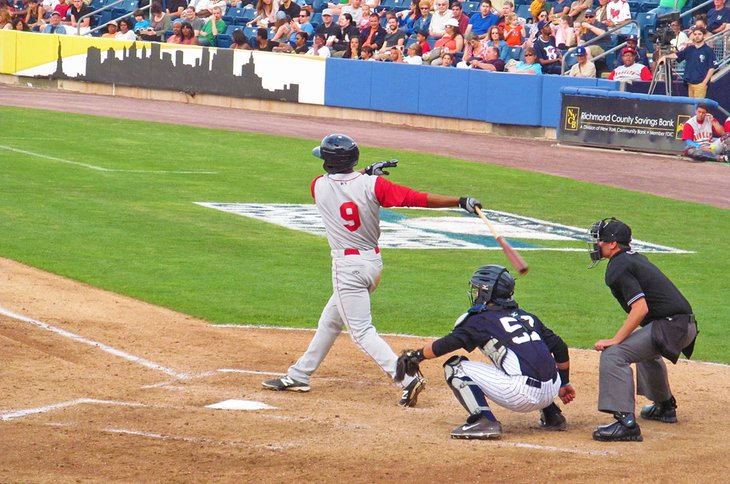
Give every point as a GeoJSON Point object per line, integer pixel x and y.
{"type": "Point", "coordinates": [95, 386]}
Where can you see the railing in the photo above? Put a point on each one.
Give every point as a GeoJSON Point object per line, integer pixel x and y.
{"type": "Point", "coordinates": [597, 40]}
{"type": "Point", "coordinates": [106, 7]}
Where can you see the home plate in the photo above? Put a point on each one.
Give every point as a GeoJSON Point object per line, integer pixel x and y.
{"type": "Point", "coordinates": [240, 405]}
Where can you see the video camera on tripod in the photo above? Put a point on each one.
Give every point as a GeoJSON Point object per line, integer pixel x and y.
{"type": "Point", "coordinates": [663, 35]}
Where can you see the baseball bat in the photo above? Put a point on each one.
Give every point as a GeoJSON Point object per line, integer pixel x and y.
{"type": "Point", "coordinates": [514, 258]}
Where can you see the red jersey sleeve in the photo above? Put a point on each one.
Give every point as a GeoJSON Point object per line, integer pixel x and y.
{"type": "Point", "coordinates": [646, 74]}
{"type": "Point", "coordinates": [688, 134]}
{"type": "Point", "coordinates": [727, 126]}
{"type": "Point", "coordinates": [313, 183]}
{"type": "Point", "coordinates": [392, 195]}
{"type": "Point", "coordinates": [610, 76]}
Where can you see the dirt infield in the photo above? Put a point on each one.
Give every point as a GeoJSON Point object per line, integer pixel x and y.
{"type": "Point", "coordinates": [134, 410]}
{"type": "Point", "coordinates": [95, 386]}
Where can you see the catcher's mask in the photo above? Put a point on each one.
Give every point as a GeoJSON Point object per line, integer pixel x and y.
{"type": "Point", "coordinates": [339, 152]}
{"type": "Point", "coordinates": [607, 230]}
{"type": "Point", "coordinates": [491, 283]}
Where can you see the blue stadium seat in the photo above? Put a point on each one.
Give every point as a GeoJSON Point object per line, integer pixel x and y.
{"type": "Point", "coordinates": [97, 4]}
{"type": "Point", "coordinates": [386, 5]}
{"type": "Point", "coordinates": [231, 28]}
{"type": "Point", "coordinates": [316, 20]}
{"type": "Point", "coordinates": [524, 12]}
{"type": "Point", "coordinates": [515, 52]}
{"type": "Point", "coordinates": [647, 26]}
{"type": "Point", "coordinates": [232, 14]}
{"type": "Point", "coordinates": [470, 7]}
{"type": "Point", "coordinates": [319, 5]}
{"type": "Point", "coordinates": [223, 41]}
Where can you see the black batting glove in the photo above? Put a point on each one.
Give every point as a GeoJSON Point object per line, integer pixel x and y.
{"type": "Point", "coordinates": [469, 204]}
{"type": "Point", "coordinates": [377, 167]}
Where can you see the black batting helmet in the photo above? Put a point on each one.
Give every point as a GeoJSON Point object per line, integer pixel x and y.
{"type": "Point", "coordinates": [339, 152]}
{"type": "Point", "coordinates": [491, 283]}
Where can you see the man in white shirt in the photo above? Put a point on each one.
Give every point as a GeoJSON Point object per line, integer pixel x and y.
{"type": "Point", "coordinates": [438, 20]}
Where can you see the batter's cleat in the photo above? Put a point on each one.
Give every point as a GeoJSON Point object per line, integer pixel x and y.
{"type": "Point", "coordinates": [482, 429]}
{"type": "Point", "coordinates": [551, 418]}
{"type": "Point", "coordinates": [665, 411]}
{"type": "Point", "coordinates": [410, 393]}
{"type": "Point", "coordinates": [625, 429]}
{"type": "Point", "coordinates": [286, 383]}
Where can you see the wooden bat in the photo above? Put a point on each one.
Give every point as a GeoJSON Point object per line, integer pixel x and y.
{"type": "Point", "coordinates": [514, 258]}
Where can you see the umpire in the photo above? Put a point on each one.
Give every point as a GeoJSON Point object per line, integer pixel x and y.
{"type": "Point", "coordinates": [668, 328]}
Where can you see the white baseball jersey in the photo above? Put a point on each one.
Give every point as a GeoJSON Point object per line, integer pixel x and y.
{"type": "Point", "coordinates": [350, 207]}
{"type": "Point", "coordinates": [701, 133]}
{"type": "Point", "coordinates": [634, 72]}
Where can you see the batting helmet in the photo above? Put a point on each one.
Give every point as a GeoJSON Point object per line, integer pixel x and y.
{"type": "Point", "coordinates": [491, 283]}
{"type": "Point", "coordinates": [339, 152]}
{"type": "Point", "coordinates": [606, 230]}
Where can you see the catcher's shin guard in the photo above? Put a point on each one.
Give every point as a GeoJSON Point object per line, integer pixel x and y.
{"type": "Point", "coordinates": [467, 392]}
{"type": "Point", "coordinates": [700, 155]}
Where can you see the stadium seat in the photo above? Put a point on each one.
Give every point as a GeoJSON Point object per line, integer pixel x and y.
{"type": "Point", "coordinates": [647, 25]}
{"type": "Point", "coordinates": [224, 41]}
{"type": "Point", "coordinates": [231, 28]}
{"type": "Point", "coordinates": [97, 4]}
{"type": "Point", "coordinates": [524, 12]}
{"type": "Point", "coordinates": [470, 7]}
{"type": "Point", "coordinates": [319, 5]}
{"type": "Point", "coordinates": [316, 20]}
{"type": "Point", "coordinates": [386, 5]}
{"type": "Point", "coordinates": [232, 14]}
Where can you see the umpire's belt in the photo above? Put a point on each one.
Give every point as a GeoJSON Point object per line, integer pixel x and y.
{"type": "Point", "coordinates": [365, 252]}
{"type": "Point", "coordinates": [531, 382]}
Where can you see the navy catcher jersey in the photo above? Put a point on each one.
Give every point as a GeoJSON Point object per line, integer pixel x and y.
{"type": "Point", "coordinates": [521, 332]}
{"type": "Point", "coordinates": [631, 276]}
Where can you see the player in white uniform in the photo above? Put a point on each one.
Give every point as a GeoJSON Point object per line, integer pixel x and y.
{"type": "Point", "coordinates": [530, 363]}
{"type": "Point", "coordinates": [349, 202]}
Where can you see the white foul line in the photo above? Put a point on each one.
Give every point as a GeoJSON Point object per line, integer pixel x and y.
{"type": "Point", "coordinates": [122, 354]}
{"type": "Point", "coordinates": [101, 168]}
{"type": "Point", "coordinates": [32, 411]}
{"type": "Point", "coordinates": [555, 449]}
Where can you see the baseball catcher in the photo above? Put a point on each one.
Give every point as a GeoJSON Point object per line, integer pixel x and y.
{"type": "Point", "coordinates": [529, 366]}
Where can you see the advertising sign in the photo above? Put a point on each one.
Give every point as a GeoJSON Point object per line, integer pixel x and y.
{"type": "Point", "coordinates": [618, 122]}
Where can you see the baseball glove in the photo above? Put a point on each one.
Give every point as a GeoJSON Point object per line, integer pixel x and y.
{"type": "Point", "coordinates": [408, 364]}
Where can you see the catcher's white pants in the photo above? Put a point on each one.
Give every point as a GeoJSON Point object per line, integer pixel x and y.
{"type": "Point", "coordinates": [511, 392]}
{"type": "Point", "coordinates": [354, 277]}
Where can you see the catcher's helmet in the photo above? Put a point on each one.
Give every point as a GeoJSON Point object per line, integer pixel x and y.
{"type": "Point", "coordinates": [339, 152]}
{"type": "Point", "coordinates": [606, 230]}
{"type": "Point", "coordinates": [491, 283]}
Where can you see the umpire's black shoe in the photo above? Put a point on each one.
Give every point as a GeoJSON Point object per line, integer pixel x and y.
{"type": "Point", "coordinates": [624, 429]}
{"type": "Point", "coordinates": [551, 418]}
{"type": "Point", "coordinates": [665, 411]}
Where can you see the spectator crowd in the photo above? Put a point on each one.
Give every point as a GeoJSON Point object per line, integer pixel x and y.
{"type": "Point", "coordinates": [431, 32]}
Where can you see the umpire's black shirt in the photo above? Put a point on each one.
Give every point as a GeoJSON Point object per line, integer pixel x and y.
{"type": "Point", "coordinates": [631, 276]}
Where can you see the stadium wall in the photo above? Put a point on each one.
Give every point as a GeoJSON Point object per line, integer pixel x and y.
{"type": "Point", "coordinates": [421, 96]}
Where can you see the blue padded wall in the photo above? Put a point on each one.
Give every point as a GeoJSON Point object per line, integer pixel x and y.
{"type": "Point", "coordinates": [348, 83]}
{"type": "Point", "coordinates": [499, 97]}
{"type": "Point", "coordinates": [443, 91]}
{"type": "Point", "coordinates": [394, 87]}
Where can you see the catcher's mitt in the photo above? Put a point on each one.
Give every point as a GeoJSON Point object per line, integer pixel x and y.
{"type": "Point", "coordinates": [408, 364]}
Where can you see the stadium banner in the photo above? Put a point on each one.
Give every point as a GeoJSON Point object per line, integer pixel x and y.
{"type": "Point", "coordinates": [152, 65]}
{"type": "Point", "coordinates": [624, 120]}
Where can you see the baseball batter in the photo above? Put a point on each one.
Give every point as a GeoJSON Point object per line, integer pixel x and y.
{"type": "Point", "coordinates": [530, 364]}
{"type": "Point", "coordinates": [349, 203]}
{"type": "Point", "coordinates": [659, 323]}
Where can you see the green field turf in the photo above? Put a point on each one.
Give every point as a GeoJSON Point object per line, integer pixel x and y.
{"type": "Point", "coordinates": [139, 233]}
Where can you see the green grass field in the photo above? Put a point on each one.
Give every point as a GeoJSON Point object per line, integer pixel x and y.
{"type": "Point", "coordinates": [138, 232]}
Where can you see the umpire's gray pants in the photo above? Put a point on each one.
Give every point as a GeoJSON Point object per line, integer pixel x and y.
{"type": "Point", "coordinates": [616, 378]}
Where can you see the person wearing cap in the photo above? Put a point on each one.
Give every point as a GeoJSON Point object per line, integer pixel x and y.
{"type": "Point", "coordinates": [111, 30]}
{"type": "Point", "coordinates": [451, 42]}
{"type": "Point", "coordinates": [328, 28]}
{"type": "Point", "coordinates": [441, 14]}
{"type": "Point", "coordinates": [630, 70]}
{"type": "Point", "coordinates": [548, 54]}
{"type": "Point", "coordinates": [592, 29]}
{"type": "Point", "coordinates": [705, 139]}
{"type": "Point", "coordinates": [642, 55]}
{"type": "Point", "coordinates": [659, 323]}
{"type": "Point", "coordinates": [700, 64]}
{"type": "Point", "coordinates": [584, 67]}
{"type": "Point", "coordinates": [373, 35]}
{"type": "Point", "coordinates": [54, 25]}
{"type": "Point", "coordinates": [480, 21]}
